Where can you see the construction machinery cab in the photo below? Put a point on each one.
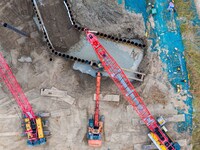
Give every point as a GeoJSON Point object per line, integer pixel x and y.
{"type": "Point", "coordinates": [90, 36]}
{"type": "Point", "coordinates": [94, 134]}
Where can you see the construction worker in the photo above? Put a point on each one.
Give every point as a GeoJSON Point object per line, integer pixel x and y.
{"type": "Point", "coordinates": [184, 80]}
{"type": "Point", "coordinates": [171, 7]}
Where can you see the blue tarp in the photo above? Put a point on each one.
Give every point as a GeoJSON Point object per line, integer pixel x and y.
{"type": "Point", "coordinates": [172, 54]}
{"type": "Point", "coordinates": [138, 6]}
{"type": "Point", "coordinates": [168, 36]}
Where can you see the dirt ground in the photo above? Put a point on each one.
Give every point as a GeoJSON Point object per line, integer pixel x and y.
{"type": "Point", "coordinates": [61, 32]}
{"type": "Point", "coordinates": [100, 18]}
{"type": "Point", "coordinates": [101, 14]}
{"type": "Point", "coordinates": [68, 123]}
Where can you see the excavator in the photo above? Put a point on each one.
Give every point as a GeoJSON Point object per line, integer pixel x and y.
{"type": "Point", "coordinates": [95, 124]}
{"type": "Point", "coordinates": [33, 125]}
{"type": "Point", "coordinates": [157, 133]}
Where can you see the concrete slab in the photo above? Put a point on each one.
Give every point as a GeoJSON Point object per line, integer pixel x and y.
{"type": "Point", "coordinates": [108, 97]}
{"type": "Point", "coordinates": [129, 58]}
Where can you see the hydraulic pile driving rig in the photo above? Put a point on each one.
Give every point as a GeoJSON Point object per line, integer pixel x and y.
{"type": "Point", "coordinates": [162, 140]}
{"type": "Point", "coordinates": [95, 124]}
{"type": "Point", "coordinates": [32, 124]}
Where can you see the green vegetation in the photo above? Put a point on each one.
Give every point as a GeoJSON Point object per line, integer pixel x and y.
{"type": "Point", "coordinates": [192, 53]}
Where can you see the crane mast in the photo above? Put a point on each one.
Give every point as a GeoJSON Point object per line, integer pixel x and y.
{"type": "Point", "coordinates": [32, 123]}
{"type": "Point", "coordinates": [98, 84]}
{"type": "Point", "coordinates": [15, 89]}
{"type": "Point", "coordinates": [130, 94]}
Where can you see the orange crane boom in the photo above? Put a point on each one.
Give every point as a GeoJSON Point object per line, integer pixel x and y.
{"type": "Point", "coordinates": [98, 84]}
{"type": "Point", "coordinates": [95, 124]}
{"type": "Point", "coordinates": [130, 94]}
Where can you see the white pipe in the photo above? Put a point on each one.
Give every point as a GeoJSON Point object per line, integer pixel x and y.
{"type": "Point", "coordinates": [69, 13]}
{"type": "Point", "coordinates": [42, 23]}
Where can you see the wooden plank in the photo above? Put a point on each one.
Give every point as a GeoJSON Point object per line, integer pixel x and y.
{"type": "Point", "coordinates": [53, 92]}
{"type": "Point", "coordinates": [9, 134]}
{"type": "Point", "coordinates": [108, 97]}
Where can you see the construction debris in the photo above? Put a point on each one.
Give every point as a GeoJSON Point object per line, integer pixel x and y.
{"type": "Point", "coordinates": [25, 59]}
{"type": "Point", "coordinates": [53, 92]}
{"type": "Point", "coordinates": [58, 95]}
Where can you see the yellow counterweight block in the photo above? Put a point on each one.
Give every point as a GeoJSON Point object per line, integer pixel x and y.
{"type": "Point", "coordinates": [155, 140]}
{"type": "Point", "coordinates": [39, 128]}
{"type": "Point", "coordinates": [28, 127]}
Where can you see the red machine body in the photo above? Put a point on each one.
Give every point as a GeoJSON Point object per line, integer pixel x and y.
{"type": "Point", "coordinates": [120, 79]}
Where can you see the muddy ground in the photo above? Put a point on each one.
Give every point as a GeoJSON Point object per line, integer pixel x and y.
{"type": "Point", "coordinates": [68, 123]}
{"type": "Point", "coordinates": [115, 21]}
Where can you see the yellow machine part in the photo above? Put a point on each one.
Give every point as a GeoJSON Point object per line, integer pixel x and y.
{"type": "Point", "coordinates": [155, 138]}
{"type": "Point", "coordinates": [28, 127]}
{"type": "Point", "coordinates": [39, 128]}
